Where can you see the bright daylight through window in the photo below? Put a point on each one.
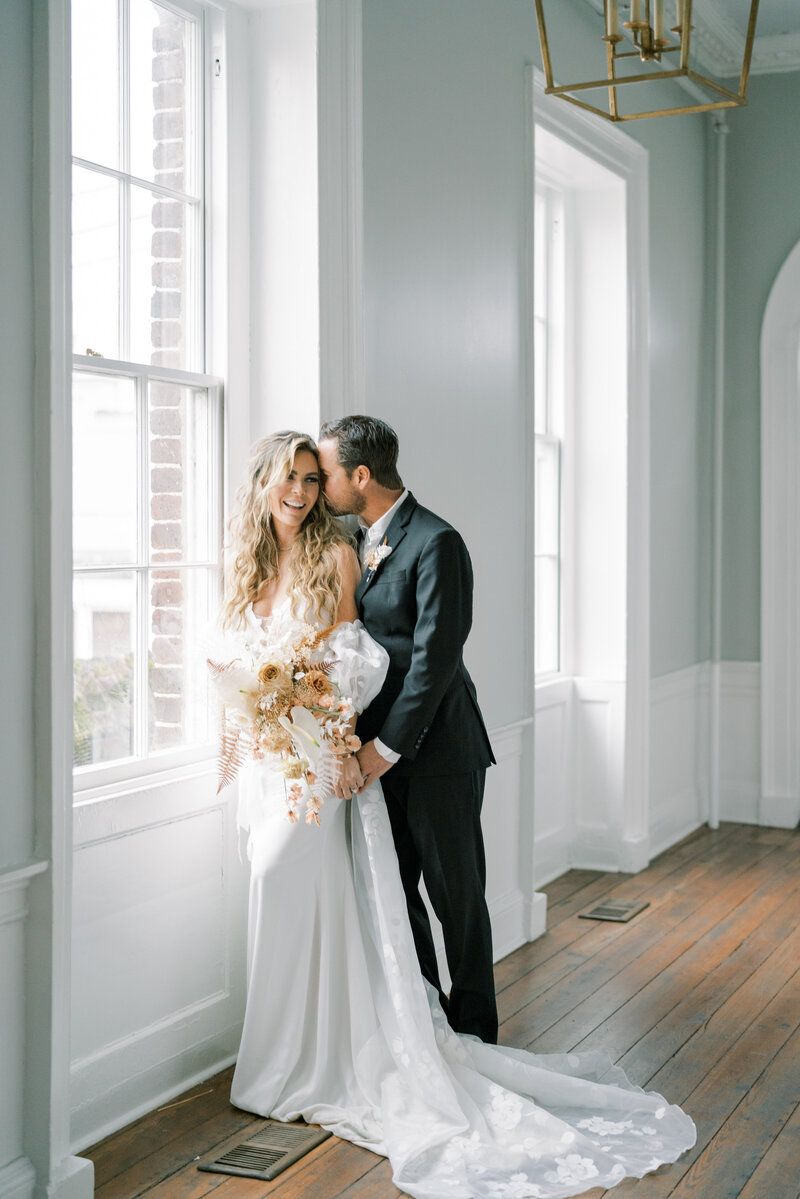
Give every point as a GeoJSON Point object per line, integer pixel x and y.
{"type": "Point", "coordinates": [548, 315]}
{"type": "Point", "coordinates": [146, 418]}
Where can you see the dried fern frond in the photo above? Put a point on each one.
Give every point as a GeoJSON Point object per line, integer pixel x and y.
{"type": "Point", "coordinates": [232, 754]}
{"type": "Point", "coordinates": [218, 668]}
{"type": "Point", "coordinates": [322, 635]}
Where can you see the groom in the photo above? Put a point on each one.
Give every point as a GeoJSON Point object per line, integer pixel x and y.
{"type": "Point", "coordinates": [423, 735]}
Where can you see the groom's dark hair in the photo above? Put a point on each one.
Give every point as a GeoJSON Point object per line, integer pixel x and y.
{"type": "Point", "coordinates": [366, 441]}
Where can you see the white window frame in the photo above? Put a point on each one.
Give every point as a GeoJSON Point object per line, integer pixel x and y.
{"type": "Point", "coordinates": [624, 156]}
{"type": "Point", "coordinates": [103, 780]}
{"type": "Point", "coordinates": [558, 337]}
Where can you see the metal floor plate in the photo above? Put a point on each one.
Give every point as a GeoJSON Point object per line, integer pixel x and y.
{"type": "Point", "coordinates": [619, 910]}
{"type": "Point", "coordinates": [265, 1155]}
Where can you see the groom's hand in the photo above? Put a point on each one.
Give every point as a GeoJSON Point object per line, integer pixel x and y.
{"type": "Point", "coordinates": [371, 763]}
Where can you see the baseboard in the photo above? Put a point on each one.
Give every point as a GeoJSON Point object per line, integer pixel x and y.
{"type": "Point", "coordinates": [740, 742]}
{"type": "Point", "coordinates": [536, 915]}
{"type": "Point", "coordinates": [99, 1115]}
{"type": "Point", "coordinates": [509, 927]}
{"type": "Point", "coordinates": [669, 832]}
{"type": "Point", "coordinates": [74, 1179]}
{"type": "Point", "coordinates": [779, 811]}
{"type": "Point", "coordinates": [596, 849]}
{"type": "Point", "coordinates": [679, 747]}
{"type": "Point", "coordinates": [17, 1179]}
{"type": "Point", "coordinates": [552, 855]}
{"type": "Point", "coordinates": [634, 854]}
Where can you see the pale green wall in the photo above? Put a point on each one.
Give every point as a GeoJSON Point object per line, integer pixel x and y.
{"type": "Point", "coordinates": [763, 215]}
{"type": "Point", "coordinates": [444, 155]}
{"type": "Point", "coordinates": [17, 596]}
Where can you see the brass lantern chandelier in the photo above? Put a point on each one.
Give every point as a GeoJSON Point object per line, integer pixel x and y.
{"type": "Point", "coordinates": [643, 47]}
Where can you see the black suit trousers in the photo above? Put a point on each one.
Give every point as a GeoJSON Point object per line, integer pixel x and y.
{"type": "Point", "coordinates": [437, 833]}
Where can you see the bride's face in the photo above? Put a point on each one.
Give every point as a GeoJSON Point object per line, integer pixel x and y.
{"type": "Point", "coordinates": [291, 501]}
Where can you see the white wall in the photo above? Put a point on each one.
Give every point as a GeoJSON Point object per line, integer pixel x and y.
{"type": "Point", "coordinates": [16, 431]}
{"type": "Point", "coordinates": [444, 270]}
{"type": "Point", "coordinates": [284, 229]}
{"type": "Point", "coordinates": [34, 862]}
{"type": "Point", "coordinates": [445, 159]}
{"type": "Point", "coordinates": [17, 611]}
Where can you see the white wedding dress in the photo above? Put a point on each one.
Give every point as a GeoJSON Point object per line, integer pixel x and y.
{"type": "Point", "coordinates": [341, 1030]}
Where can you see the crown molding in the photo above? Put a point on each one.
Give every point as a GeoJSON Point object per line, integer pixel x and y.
{"type": "Point", "coordinates": [719, 44]}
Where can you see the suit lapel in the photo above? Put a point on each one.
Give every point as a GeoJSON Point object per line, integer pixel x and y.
{"type": "Point", "coordinates": [394, 535]}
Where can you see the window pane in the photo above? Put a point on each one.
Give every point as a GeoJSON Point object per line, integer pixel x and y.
{"type": "Point", "coordinates": [547, 497]}
{"type": "Point", "coordinates": [182, 606]}
{"type": "Point", "coordinates": [95, 81]}
{"type": "Point", "coordinates": [540, 256]}
{"type": "Point", "coordinates": [163, 331]}
{"type": "Point", "coordinates": [546, 649]}
{"type": "Point", "coordinates": [163, 131]}
{"type": "Point", "coordinates": [95, 263]}
{"type": "Point", "coordinates": [183, 483]}
{"type": "Point", "coordinates": [104, 633]}
{"type": "Point", "coordinates": [540, 375]}
{"type": "Point", "coordinates": [104, 458]}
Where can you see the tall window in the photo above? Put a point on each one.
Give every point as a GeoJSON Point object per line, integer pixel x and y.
{"type": "Point", "coordinates": [548, 423]}
{"type": "Point", "coordinates": [146, 416]}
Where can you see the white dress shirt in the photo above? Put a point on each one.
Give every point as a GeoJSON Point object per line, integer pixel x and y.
{"type": "Point", "coordinates": [374, 535]}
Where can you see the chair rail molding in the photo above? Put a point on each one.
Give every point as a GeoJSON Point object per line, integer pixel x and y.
{"type": "Point", "coordinates": [780, 553]}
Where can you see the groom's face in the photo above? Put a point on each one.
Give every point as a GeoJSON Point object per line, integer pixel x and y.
{"type": "Point", "coordinates": [340, 492]}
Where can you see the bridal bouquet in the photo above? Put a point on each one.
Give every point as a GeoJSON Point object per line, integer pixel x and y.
{"type": "Point", "coordinates": [279, 699]}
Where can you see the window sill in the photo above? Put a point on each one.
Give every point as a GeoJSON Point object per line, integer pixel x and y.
{"type": "Point", "coordinates": [96, 783]}
{"type": "Point", "coordinates": [551, 680]}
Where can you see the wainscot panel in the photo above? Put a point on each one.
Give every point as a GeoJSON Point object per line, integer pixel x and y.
{"type": "Point", "coordinates": [679, 747]}
{"type": "Point", "coordinates": [159, 927]}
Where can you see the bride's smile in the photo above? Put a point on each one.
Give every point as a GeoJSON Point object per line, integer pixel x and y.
{"type": "Point", "coordinates": [291, 501]}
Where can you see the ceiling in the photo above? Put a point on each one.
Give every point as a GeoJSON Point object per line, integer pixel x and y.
{"type": "Point", "coordinates": [719, 34]}
{"type": "Point", "coordinates": [721, 25]}
{"type": "Point", "coordinates": [774, 16]}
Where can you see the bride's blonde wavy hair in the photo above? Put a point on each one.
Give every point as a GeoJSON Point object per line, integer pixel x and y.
{"type": "Point", "coordinates": [252, 554]}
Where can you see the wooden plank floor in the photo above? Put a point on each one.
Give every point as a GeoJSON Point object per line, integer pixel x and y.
{"type": "Point", "coordinates": [698, 997]}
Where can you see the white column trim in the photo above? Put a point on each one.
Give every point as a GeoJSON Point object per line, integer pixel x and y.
{"type": "Point", "coordinates": [635, 850]}
{"type": "Point", "coordinates": [535, 902]}
{"type": "Point", "coordinates": [341, 208]}
{"type": "Point", "coordinates": [780, 551]}
{"type": "Point", "coordinates": [624, 156]}
{"type": "Point", "coordinates": [721, 130]}
{"type": "Point", "coordinates": [48, 930]}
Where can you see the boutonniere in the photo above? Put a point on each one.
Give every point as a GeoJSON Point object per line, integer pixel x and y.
{"type": "Point", "coordinates": [378, 554]}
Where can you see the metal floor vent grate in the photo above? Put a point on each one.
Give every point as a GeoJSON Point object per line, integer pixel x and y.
{"type": "Point", "coordinates": [615, 909]}
{"type": "Point", "coordinates": [274, 1147]}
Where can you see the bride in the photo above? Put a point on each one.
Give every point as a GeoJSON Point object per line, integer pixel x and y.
{"type": "Point", "coordinates": [340, 1028]}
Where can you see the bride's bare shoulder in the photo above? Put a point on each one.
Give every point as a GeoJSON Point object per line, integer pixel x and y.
{"type": "Point", "coordinates": [349, 575]}
{"type": "Point", "coordinates": [346, 561]}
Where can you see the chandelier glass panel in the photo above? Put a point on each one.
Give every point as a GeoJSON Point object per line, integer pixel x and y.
{"type": "Point", "coordinates": [641, 44]}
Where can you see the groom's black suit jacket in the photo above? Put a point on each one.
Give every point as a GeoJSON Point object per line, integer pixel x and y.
{"type": "Point", "coordinates": [418, 605]}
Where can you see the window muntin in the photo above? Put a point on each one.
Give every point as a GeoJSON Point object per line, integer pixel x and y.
{"type": "Point", "coordinates": [147, 444]}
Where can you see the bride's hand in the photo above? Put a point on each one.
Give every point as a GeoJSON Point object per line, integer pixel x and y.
{"type": "Point", "coordinates": [349, 777]}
